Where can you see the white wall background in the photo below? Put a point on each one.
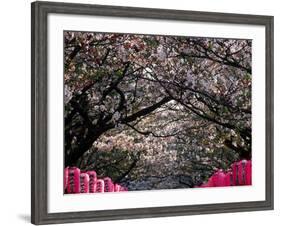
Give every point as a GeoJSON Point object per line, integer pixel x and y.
{"type": "Point", "coordinates": [15, 110]}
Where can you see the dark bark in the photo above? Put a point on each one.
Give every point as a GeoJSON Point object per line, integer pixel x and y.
{"type": "Point", "coordinates": [73, 54]}
{"type": "Point", "coordinates": [147, 110]}
{"type": "Point", "coordinates": [84, 144]}
{"type": "Point", "coordinates": [243, 153]}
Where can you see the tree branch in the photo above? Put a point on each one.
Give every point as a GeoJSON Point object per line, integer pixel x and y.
{"type": "Point", "coordinates": [147, 110]}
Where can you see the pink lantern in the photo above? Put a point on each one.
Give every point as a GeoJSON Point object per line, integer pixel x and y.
{"type": "Point", "coordinates": [84, 183]}
{"type": "Point", "coordinates": [248, 172]}
{"type": "Point", "coordinates": [65, 177]}
{"type": "Point", "coordinates": [117, 188]}
{"type": "Point", "coordinates": [210, 183]}
{"type": "Point", "coordinates": [108, 185]}
{"type": "Point", "coordinates": [100, 185]}
{"type": "Point", "coordinates": [218, 178]}
{"type": "Point", "coordinates": [234, 168]}
{"type": "Point", "coordinates": [241, 172]}
{"type": "Point", "coordinates": [73, 185]}
{"type": "Point", "coordinates": [123, 188]}
{"type": "Point", "coordinates": [93, 179]}
{"type": "Point", "coordinates": [228, 179]}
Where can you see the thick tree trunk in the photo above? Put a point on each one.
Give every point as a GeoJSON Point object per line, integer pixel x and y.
{"type": "Point", "coordinates": [73, 156]}
{"type": "Point", "coordinates": [83, 145]}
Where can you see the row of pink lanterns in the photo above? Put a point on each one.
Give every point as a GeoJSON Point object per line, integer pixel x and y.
{"type": "Point", "coordinates": [240, 173]}
{"type": "Point", "coordinates": [77, 181]}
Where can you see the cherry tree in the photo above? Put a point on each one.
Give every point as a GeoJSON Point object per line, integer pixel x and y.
{"type": "Point", "coordinates": [182, 104]}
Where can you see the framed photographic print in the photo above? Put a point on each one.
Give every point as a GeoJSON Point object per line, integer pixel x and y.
{"type": "Point", "coordinates": [140, 112]}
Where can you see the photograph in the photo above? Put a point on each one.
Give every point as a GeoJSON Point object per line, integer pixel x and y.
{"type": "Point", "coordinates": [152, 112]}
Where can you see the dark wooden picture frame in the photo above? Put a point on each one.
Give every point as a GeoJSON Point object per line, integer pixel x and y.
{"type": "Point", "coordinates": [39, 107]}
